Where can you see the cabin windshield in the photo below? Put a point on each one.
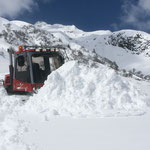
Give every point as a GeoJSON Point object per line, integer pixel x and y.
{"type": "Point", "coordinates": [43, 65]}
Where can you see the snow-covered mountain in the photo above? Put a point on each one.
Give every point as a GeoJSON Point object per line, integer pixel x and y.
{"type": "Point", "coordinates": [128, 48]}
{"type": "Point", "coordinates": [106, 74]}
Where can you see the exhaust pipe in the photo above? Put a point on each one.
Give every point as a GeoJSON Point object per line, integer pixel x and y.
{"type": "Point", "coordinates": [11, 70]}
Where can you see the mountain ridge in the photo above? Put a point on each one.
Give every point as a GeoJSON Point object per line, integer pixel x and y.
{"type": "Point", "coordinates": [129, 49]}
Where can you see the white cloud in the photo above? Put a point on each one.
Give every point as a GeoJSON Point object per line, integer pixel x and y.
{"type": "Point", "coordinates": [13, 8]}
{"type": "Point", "coordinates": [137, 14]}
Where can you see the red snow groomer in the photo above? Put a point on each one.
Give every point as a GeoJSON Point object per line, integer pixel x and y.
{"type": "Point", "coordinates": [32, 65]}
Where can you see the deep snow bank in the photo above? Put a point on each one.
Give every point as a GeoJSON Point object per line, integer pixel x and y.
{"type": "Point", "coordinates": [77, 90]}
{"type": "Point", "coordinates": [81, 90]}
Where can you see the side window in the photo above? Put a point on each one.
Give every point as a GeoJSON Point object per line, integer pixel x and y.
{"type": "Point", "coordinates": [54, 63]}
{"type": "Point", "coordinates": [38, 67]}
{"type": "Point", "coordinates": [40, 61]}
{"type": "Point", "coordinates": [21, 64]}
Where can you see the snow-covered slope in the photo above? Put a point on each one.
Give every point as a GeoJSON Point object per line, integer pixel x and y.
{"type": "Point", "coordinates": [90, 84]}
{"type": "Point", "coordinates": [128, 48]}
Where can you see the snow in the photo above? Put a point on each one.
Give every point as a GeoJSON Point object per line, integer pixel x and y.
{"type": "Point", "coordinates": [19, 23]}
{"type": "Point", "coordinates": [4, 63]}
{"type": "Point", "coordinates": [77, 109]}
{"type": "Point", "coordinates": [83, 105]}
{"type": "Point", "coordinates": [71, 31]}
{"type": "Point", "coordinates": [104, 133]}
{"type": "Point", "coordinates": [124, 58]}
{"type": "Point", "coordinates": [128, 32]}
{"type": "Point", "coordinates": [75, 90]}
{"type": "Point", "coordinates": [4, 67]}
{"type": "Point", "coordinates": [30, 131]}
{"type": "Point", "coordinates": [68, 35]}
{"type": "Point", "coordinates": [2, 23]}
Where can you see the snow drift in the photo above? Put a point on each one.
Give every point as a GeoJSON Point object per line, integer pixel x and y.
{"type": "Point", "coordinates": [81, 90]}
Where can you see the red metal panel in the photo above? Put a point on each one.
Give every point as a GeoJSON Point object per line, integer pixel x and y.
{"type": "Point", "coordinates": [25, 87]}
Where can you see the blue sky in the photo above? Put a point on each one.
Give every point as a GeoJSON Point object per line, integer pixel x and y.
{"type": "Point", "coordinates": [87, 15]}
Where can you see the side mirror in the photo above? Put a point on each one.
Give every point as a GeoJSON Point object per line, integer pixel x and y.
{"type": "Point", "coordinates": [21, 61]}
